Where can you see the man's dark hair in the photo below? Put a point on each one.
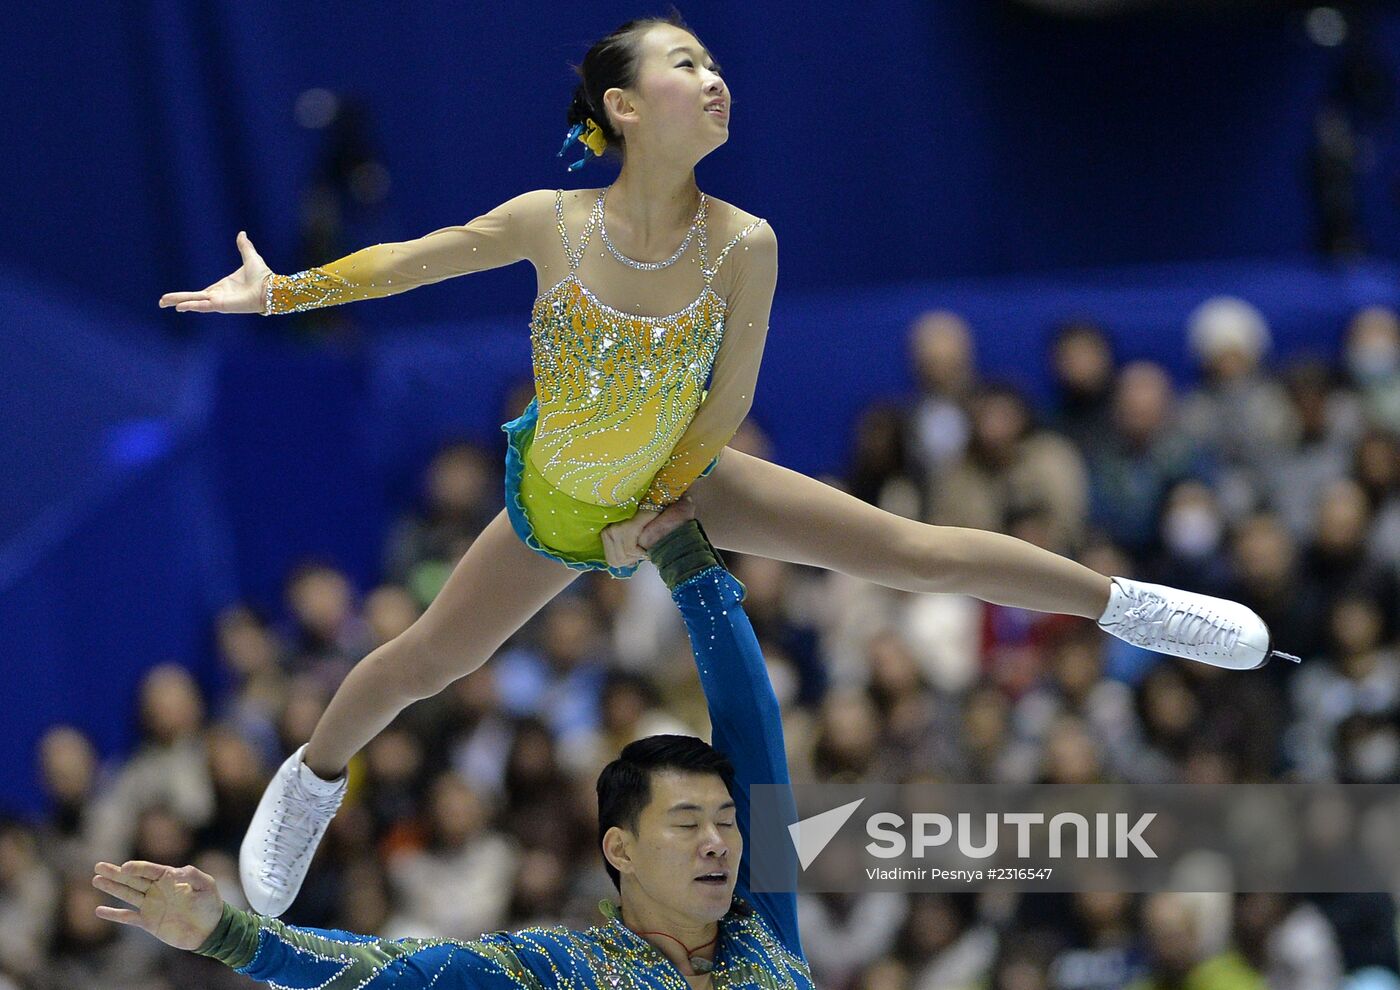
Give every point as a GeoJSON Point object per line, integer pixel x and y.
{"type": "Point", "coordinates": [624, 786]}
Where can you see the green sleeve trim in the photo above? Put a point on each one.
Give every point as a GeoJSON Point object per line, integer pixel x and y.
{"type": "Point", "coordinates": [683, 553]}
{"type": "Point", "coordinates": [234, 940]}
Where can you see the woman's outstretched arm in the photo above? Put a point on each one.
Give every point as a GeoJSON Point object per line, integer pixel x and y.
{"type": "Point", "coordinates": [509, 233]}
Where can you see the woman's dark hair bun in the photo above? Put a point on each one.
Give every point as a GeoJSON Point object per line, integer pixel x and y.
{"type": "Point", "coordinates": [579, 108]}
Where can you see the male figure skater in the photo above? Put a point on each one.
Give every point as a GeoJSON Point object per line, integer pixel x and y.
{"type": "Point", "coordinates": [673, 822]}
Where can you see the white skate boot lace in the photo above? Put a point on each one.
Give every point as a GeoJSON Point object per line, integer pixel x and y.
{"type": "Point", "coordinates": [1154, 620]}
{"type": "Point", "coordinates": [302, 817]}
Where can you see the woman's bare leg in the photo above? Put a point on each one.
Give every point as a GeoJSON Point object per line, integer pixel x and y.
{"type": "Point", "coordinates": [496, 586]}
{"type": "Point", "coordinates": [751, 506]}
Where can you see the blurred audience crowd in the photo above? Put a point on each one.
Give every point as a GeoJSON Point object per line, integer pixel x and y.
{"type": "Point", "coordinates": [1274, 484]}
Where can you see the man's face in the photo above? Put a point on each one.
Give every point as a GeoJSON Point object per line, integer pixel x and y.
{"type": "Point", "coordinates": [684, 857]}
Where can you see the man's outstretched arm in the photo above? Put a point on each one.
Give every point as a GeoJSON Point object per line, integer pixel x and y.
{"type": "Point", "coordinates": [182, 907]}
{"type": "Point", "coordinates": [744, 717]}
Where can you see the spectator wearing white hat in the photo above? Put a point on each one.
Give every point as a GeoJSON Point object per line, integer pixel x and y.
{"type": "Point", "coordinates": [1239, 412]}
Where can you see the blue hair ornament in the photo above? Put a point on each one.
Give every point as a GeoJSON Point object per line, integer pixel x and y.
{"type": "Point", "coordinates": [590, 135]}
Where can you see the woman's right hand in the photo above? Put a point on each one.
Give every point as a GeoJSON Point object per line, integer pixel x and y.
{"type": "Point", "coordinates": [241, 292]}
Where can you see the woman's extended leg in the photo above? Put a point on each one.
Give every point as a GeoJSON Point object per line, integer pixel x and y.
{"type": "Point", "coordinates": [496, 586]}
{"type": "Point", "coordinates": [751, 506]}
{"type": "Point", "coordinates": [756, 507]}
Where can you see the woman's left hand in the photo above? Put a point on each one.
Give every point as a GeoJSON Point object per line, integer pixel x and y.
{"type": "Point", "coordinates": [620, 540]}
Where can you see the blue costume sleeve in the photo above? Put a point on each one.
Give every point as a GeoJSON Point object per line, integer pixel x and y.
{"type": "Point", "coordinates": [744, 717]}
{"type": "Point", "coordinates": [270, 951]}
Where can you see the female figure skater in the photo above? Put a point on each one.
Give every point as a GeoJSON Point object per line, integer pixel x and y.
{"type": "Point", "coordinates": [647, 289]}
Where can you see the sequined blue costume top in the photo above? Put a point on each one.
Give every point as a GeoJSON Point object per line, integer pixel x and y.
{"type": "Point", "coordinates": [758, 944]}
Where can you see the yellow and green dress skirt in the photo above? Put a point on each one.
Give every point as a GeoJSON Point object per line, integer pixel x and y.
{"type": "Point", "coordinates": [551, 523]}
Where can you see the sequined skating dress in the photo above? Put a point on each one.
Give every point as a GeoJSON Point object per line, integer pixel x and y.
{"type": "Point", "coordinates": [615, 423]}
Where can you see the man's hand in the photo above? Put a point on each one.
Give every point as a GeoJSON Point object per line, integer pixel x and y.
{"type": "Point", "coordinates": [181, 907]}
{"type": "Point", "coordinates": [627, 542]}
{"type": "Point", "coordinates": [620, 540]}
{"type": "Point", "coordinates": [662, 523]}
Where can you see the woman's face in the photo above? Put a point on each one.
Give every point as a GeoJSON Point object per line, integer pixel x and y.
{"type": "Point", "coordinates": [679, 100]}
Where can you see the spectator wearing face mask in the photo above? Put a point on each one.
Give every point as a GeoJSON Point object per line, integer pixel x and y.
{"type": "Point", "coordinates": [944, 366]}
{"type": "Point", "coordinates": [1373, 362]}
{"type": "Point", "coordinates": [1191, 533]}
{"type": "Point", "coordinates": [1133, 467]}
